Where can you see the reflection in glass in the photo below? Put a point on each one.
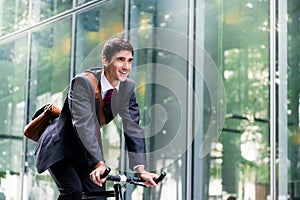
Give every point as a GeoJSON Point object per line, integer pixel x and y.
{"type": "Point", "coordinates": [42, 10]}
{"type": "Point", "coordinates": [13, 59]}
{"type": "Point", "coordinates": [13, 16]}
{"type": "Point", "coordinates": [160, 68]}
{"type": "Point", "coordinates": [239, 162]}
{"type": "Point", "coordinates": [49, 75]}
{"type": "Point", "coordinates": [79, 2]}
{"type": "Point", "coordinates": [293, 90]}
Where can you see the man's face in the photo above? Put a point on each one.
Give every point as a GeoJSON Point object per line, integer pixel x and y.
{"type": "Point", "coordinates": [119, 67]}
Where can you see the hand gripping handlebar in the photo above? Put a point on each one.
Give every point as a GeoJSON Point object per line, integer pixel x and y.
{"type": "Point", "coordinates": [128, 179]}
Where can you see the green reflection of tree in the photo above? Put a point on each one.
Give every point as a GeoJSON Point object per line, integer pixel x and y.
{"type": "Point", "coordinates": [49, 68]}
{"type": "Point", "coordinates": [14, 16]}
{"type": "Point", "coordinates": [244, 61]}
{"type": "Point", "coordinates": [12, 104]}
{"type": "Point", "coordinates": [293, 92]}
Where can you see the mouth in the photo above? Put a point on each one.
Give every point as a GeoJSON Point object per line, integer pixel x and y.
{"type": "Point", "coordinates": [123, 73]}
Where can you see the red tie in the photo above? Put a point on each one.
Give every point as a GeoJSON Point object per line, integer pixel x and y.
{"type": "Point", "coordinates": [107, 97]}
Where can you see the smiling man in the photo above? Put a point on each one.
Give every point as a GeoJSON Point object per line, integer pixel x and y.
{"type": "Point", "coordinates": [72, 150]}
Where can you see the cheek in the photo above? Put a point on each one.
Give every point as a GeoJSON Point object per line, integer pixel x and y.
{"type": "Point", "coordinates": [129, 69]}
{"type": "Point", "coordinates": [115, 68]}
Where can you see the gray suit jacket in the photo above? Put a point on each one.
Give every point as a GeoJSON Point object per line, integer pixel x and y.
{"type": "Point", "coordinates": [76, 132]}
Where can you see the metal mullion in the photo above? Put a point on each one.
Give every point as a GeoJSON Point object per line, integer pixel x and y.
{"type": "Point", "coordinates": [282, 102]}
{"type": "Point", "coordinates": [73, 40]}
{"type": "Point", "coordinates": [272, 99]}
{"type": "Point", "coordinates": [190, 101]}
{"type": "Point", "coordinates": [24, 143]}
{"type": "Point", "coordinates": [27, 78]}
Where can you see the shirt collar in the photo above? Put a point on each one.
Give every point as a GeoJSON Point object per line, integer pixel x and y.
{"type": "Point", "coordinates": [105, 85]}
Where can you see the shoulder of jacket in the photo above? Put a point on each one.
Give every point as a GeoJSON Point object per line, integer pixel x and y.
{"type": "Point", "coordinates": [128, 83]}
{"type": "Point", "coordinates": [97, 71]}
{"type": "Point", "coordinates": [94, 71]}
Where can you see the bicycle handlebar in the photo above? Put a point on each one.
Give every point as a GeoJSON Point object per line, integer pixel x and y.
{"type": "Point", "coordinates": [128, 179]}
{"type": "Point", "coordinates": [105, 173]}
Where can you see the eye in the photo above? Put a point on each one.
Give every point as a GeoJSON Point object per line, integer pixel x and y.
{"type": "Point", "coordinates": [121, 59]}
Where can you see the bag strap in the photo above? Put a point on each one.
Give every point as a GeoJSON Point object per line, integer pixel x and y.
{"type": "Point", "coordinates": [97, 88]}
{"type": "Point", "coordinates": [50, 106]}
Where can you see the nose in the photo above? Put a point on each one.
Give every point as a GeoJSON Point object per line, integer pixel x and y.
{"type": "Point", "coordinates": [126, 65]}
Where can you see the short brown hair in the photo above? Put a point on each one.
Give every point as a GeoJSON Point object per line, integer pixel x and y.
{"type": "Point", "coordinates": [114, 46]}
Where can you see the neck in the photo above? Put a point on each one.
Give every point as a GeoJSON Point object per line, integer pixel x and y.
{"type": "Point", "coordinates": [113, 82]}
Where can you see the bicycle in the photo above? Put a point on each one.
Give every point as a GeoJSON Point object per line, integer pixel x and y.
{"type": "Point", "coordinates": [119, 180]}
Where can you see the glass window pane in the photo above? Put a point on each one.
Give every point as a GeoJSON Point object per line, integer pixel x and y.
{"type": "Point", "coordinates": [160, 71]}
{"type": "Point", "coordinates": [49, 75]}
{"type": "Point", "coordinates": [13, 16]}
{"type": "Point", "coordinates": [42, 9]}
{"type": "Point", "coordinates": [79, 2]}
{"type": "Point", "coordinates": [293, 101]}
{"type": "Point", "coordinates": [13, 59]}
{"type": "Point", "coordinates": [235, 35]}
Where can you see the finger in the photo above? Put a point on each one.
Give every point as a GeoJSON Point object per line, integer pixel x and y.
{"type": "Point", "coordinates": [98, 178]}
{"type": "Point", "coordinates": [152, 182]}
{"type": "Point", "coordinates": [97, 175]}
{"type": "Point", "coordinates": [93, 177]}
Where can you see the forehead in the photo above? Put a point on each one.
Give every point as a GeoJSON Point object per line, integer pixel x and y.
{"type": "Point", "coordinates": [123, 53]}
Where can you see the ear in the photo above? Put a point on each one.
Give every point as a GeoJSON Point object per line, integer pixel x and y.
{"type": "Point", "coordinates": [104, 61]}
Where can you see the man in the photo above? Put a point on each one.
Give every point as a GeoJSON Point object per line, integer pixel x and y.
{"type": "Point", "coordinates": [71, 146]}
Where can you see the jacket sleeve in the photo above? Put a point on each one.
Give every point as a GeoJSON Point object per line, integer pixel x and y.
{"type": "Point", "coordinates": [133, 133]}
{"type": "Point", "coordinates": [84, 119]}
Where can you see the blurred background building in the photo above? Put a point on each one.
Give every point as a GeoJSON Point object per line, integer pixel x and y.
{"type": "Point", "coordinates": [216, 83]}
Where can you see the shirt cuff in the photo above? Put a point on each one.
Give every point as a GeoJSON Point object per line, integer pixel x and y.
{"type": "Point", "coordinates": [135, 167]}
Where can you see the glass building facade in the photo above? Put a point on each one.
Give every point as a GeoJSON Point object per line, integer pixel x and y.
{"type": "Point", "coordinates": [216, 84]}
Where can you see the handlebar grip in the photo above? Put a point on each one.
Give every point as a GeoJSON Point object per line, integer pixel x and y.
{"type": "Point", "coordinates": [105, 173]}
{"type": "Point", "coordinates": [161, 177]}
